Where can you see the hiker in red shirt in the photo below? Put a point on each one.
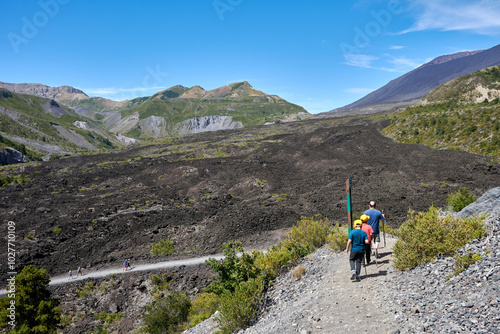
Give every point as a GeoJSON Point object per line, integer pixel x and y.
{"type": "Point", "coordinates": [369, 231]}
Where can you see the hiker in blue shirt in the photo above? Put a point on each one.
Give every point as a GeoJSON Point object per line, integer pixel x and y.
{"type": "Point", "coordinates": [373, 221]}
{"type": "Point", "coordinates": [358, 239]}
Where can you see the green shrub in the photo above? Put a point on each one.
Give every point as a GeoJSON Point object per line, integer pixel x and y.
{"type": "Point", "coordinates": [239, 307]}
{"type": "Point", "coordinates": [29, 236]}
{"type": "Point", "coordinates": [202, 307]}
{"type": "Point", "coordinates": [337, 239]}
{"type": "Point", "coordinates": [459, 200]}
{"type": "Point", "coordinates": [271, 262]}
{"type": "Point", "coordinates": [160, 281]}
{"type": "Point", "coordinates": [108, 319]}
{"type": "Point", "coordinates": [162, 247]}
{"type": "Point", "coordinates": [463, 262]}
{"type": "Point", "coordinates": [424, 236]}
{"type": "Point", "coordinates": [86, 290]}
{"type": "Point", "coordinates": [5, 180]}
{"type": "Point", "coordinates": [241, 277]}
{"type": "Point", "coordinates": [35, 309]}
{"type": "Point", "coordinates": [166, 314]}
{"type": "Point", "coordinates": [233, 269]}
{"type": "Point", "coordinates": [307, 235]}
{"type": "Point", "coordinates": [57, 230]}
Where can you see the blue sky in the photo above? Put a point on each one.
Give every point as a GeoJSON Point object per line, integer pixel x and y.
{"type": "Point", "coordinates": [319, 54]}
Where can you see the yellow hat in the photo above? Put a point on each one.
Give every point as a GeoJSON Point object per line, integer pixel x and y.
{"type": "Point", "coordinates": [357, 223]}
{"type": "Point", "coordinates": [364, 218]}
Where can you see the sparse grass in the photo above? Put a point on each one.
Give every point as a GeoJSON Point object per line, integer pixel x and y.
{"type": "Point", "coordinates": [463, 262]}
{"type": "Point", "coordinates": [86, 290]}
{"type": "Point", "coordinates": [299, 272]}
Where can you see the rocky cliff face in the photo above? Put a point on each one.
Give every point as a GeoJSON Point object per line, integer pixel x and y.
{"type": "Point", "coordinates": [41, 90]}
{"type": "Point", "coordinates": [9, 156]}
{"type": "Point", "coordinates": [208, 123]}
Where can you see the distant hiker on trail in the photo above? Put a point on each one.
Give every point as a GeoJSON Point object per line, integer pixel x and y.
{"type": "Point", "coordinates": [374, 220]}
{"type": "Point", "coordinates": [79, 271]}
{"type": "Point", "coordinates": [70, 274]}
{"type": "Point", "coordinates": [125, 265]}
{"type": "Point", "coordinates": [128, 264]}
{"type": "Point", "coordinates": [369, 231]}
{"type": "Point", "coordinates": [357, 238]}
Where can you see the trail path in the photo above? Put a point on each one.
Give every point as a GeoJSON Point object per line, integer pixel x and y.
{"type": "Point", "coordinates": [64, 279]}
{"type": "Point", "coordinates": [325, 300]}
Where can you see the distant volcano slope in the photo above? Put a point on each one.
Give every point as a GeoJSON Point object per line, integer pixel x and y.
{"type": "Point", "coordinates": [412, 86]}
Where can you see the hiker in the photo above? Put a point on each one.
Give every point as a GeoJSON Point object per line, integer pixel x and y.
{"type": "Point", "coordinates": [128, 263]}
{"type": "Point", "coordinates": [79, 271]}
{"type": "Point", "coordinates": [70, 274]}
{"type": "Point", "coordinates": [125, 265]}
{"type": "Point", "coordinates": [374, 220]}
{"type": "Point", "coordinates": [357, 238]}
{"type": "Point", "coordinates": [369, 231]}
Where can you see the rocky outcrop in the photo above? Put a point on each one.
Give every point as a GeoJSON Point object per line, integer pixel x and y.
{"type": "Point", "coordinates": [40, 90]}
{"type": "Point", "coordinates": [208, 123]}
{"type": "Point", "coordinates": [488, 203]}
{"type": "Point", "coordinates": [153, 126]}
{"type": "Point", "coordinates": [9, 156]}
{"type": "Point", "coordinates": [125, 140]}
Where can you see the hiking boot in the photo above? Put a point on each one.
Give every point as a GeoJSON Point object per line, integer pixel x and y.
{"type": "Point", "coordinates": [357, 278]}
{"type": "Point", "coordinates": [353, 275]}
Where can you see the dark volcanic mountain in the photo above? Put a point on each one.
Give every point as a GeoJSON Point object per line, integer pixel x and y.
{"type": "Point", "coordinates": [412, 86]}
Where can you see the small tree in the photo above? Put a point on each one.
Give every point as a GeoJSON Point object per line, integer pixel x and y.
{"type": "Point", "coordinates": [167, 314]}
{"type": "Point", "coordinates": [459, 200]}
{"type": "Point", "coordinates": [233, 269]}
{"type": "Point", "coordinates": [162, 247]}
{"type": "Point", "coordinates": [35, 310]}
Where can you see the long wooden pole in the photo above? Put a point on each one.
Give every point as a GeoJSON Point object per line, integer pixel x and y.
{"type": "Point", "coordinates": [348, 185]}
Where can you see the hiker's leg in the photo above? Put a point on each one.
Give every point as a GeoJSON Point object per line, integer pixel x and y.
{"type": "Point", "coordinates": [352, 258]}
{"type": "Point", "coordinates": [359, 259]}
{"type": "Point", "coordinates": [368, 250]}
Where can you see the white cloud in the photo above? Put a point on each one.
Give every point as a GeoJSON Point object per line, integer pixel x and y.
{"type": "Point", "coordinates": [397, 64]}
{"type": "Point", "coordinates": [402, 64]}
{"type": "Point", "coordinates": [396, 47]}
{"type": "Point", "coordinates": [448, 15]}
{"type": "Point", "coordinates": [116, 91]}
{"type": "Point", "coordinates": [359, 60]}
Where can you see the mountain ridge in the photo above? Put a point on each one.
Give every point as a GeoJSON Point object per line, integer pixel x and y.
{"type": "Point", "coordinates": [412, 86]}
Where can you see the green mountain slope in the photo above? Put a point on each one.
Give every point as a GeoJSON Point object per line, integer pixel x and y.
{"type": "Point", "coordinates": [463, 114]}
{"type": "Point", "coordinates": [176, 110]}
{"type": "Point", "coordinates": [240, 101]}
{"type": "Point", "coordinates": [45, 126]}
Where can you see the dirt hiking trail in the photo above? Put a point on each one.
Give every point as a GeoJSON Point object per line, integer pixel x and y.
{"type": "Point", "coordinates": [325, 300]}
